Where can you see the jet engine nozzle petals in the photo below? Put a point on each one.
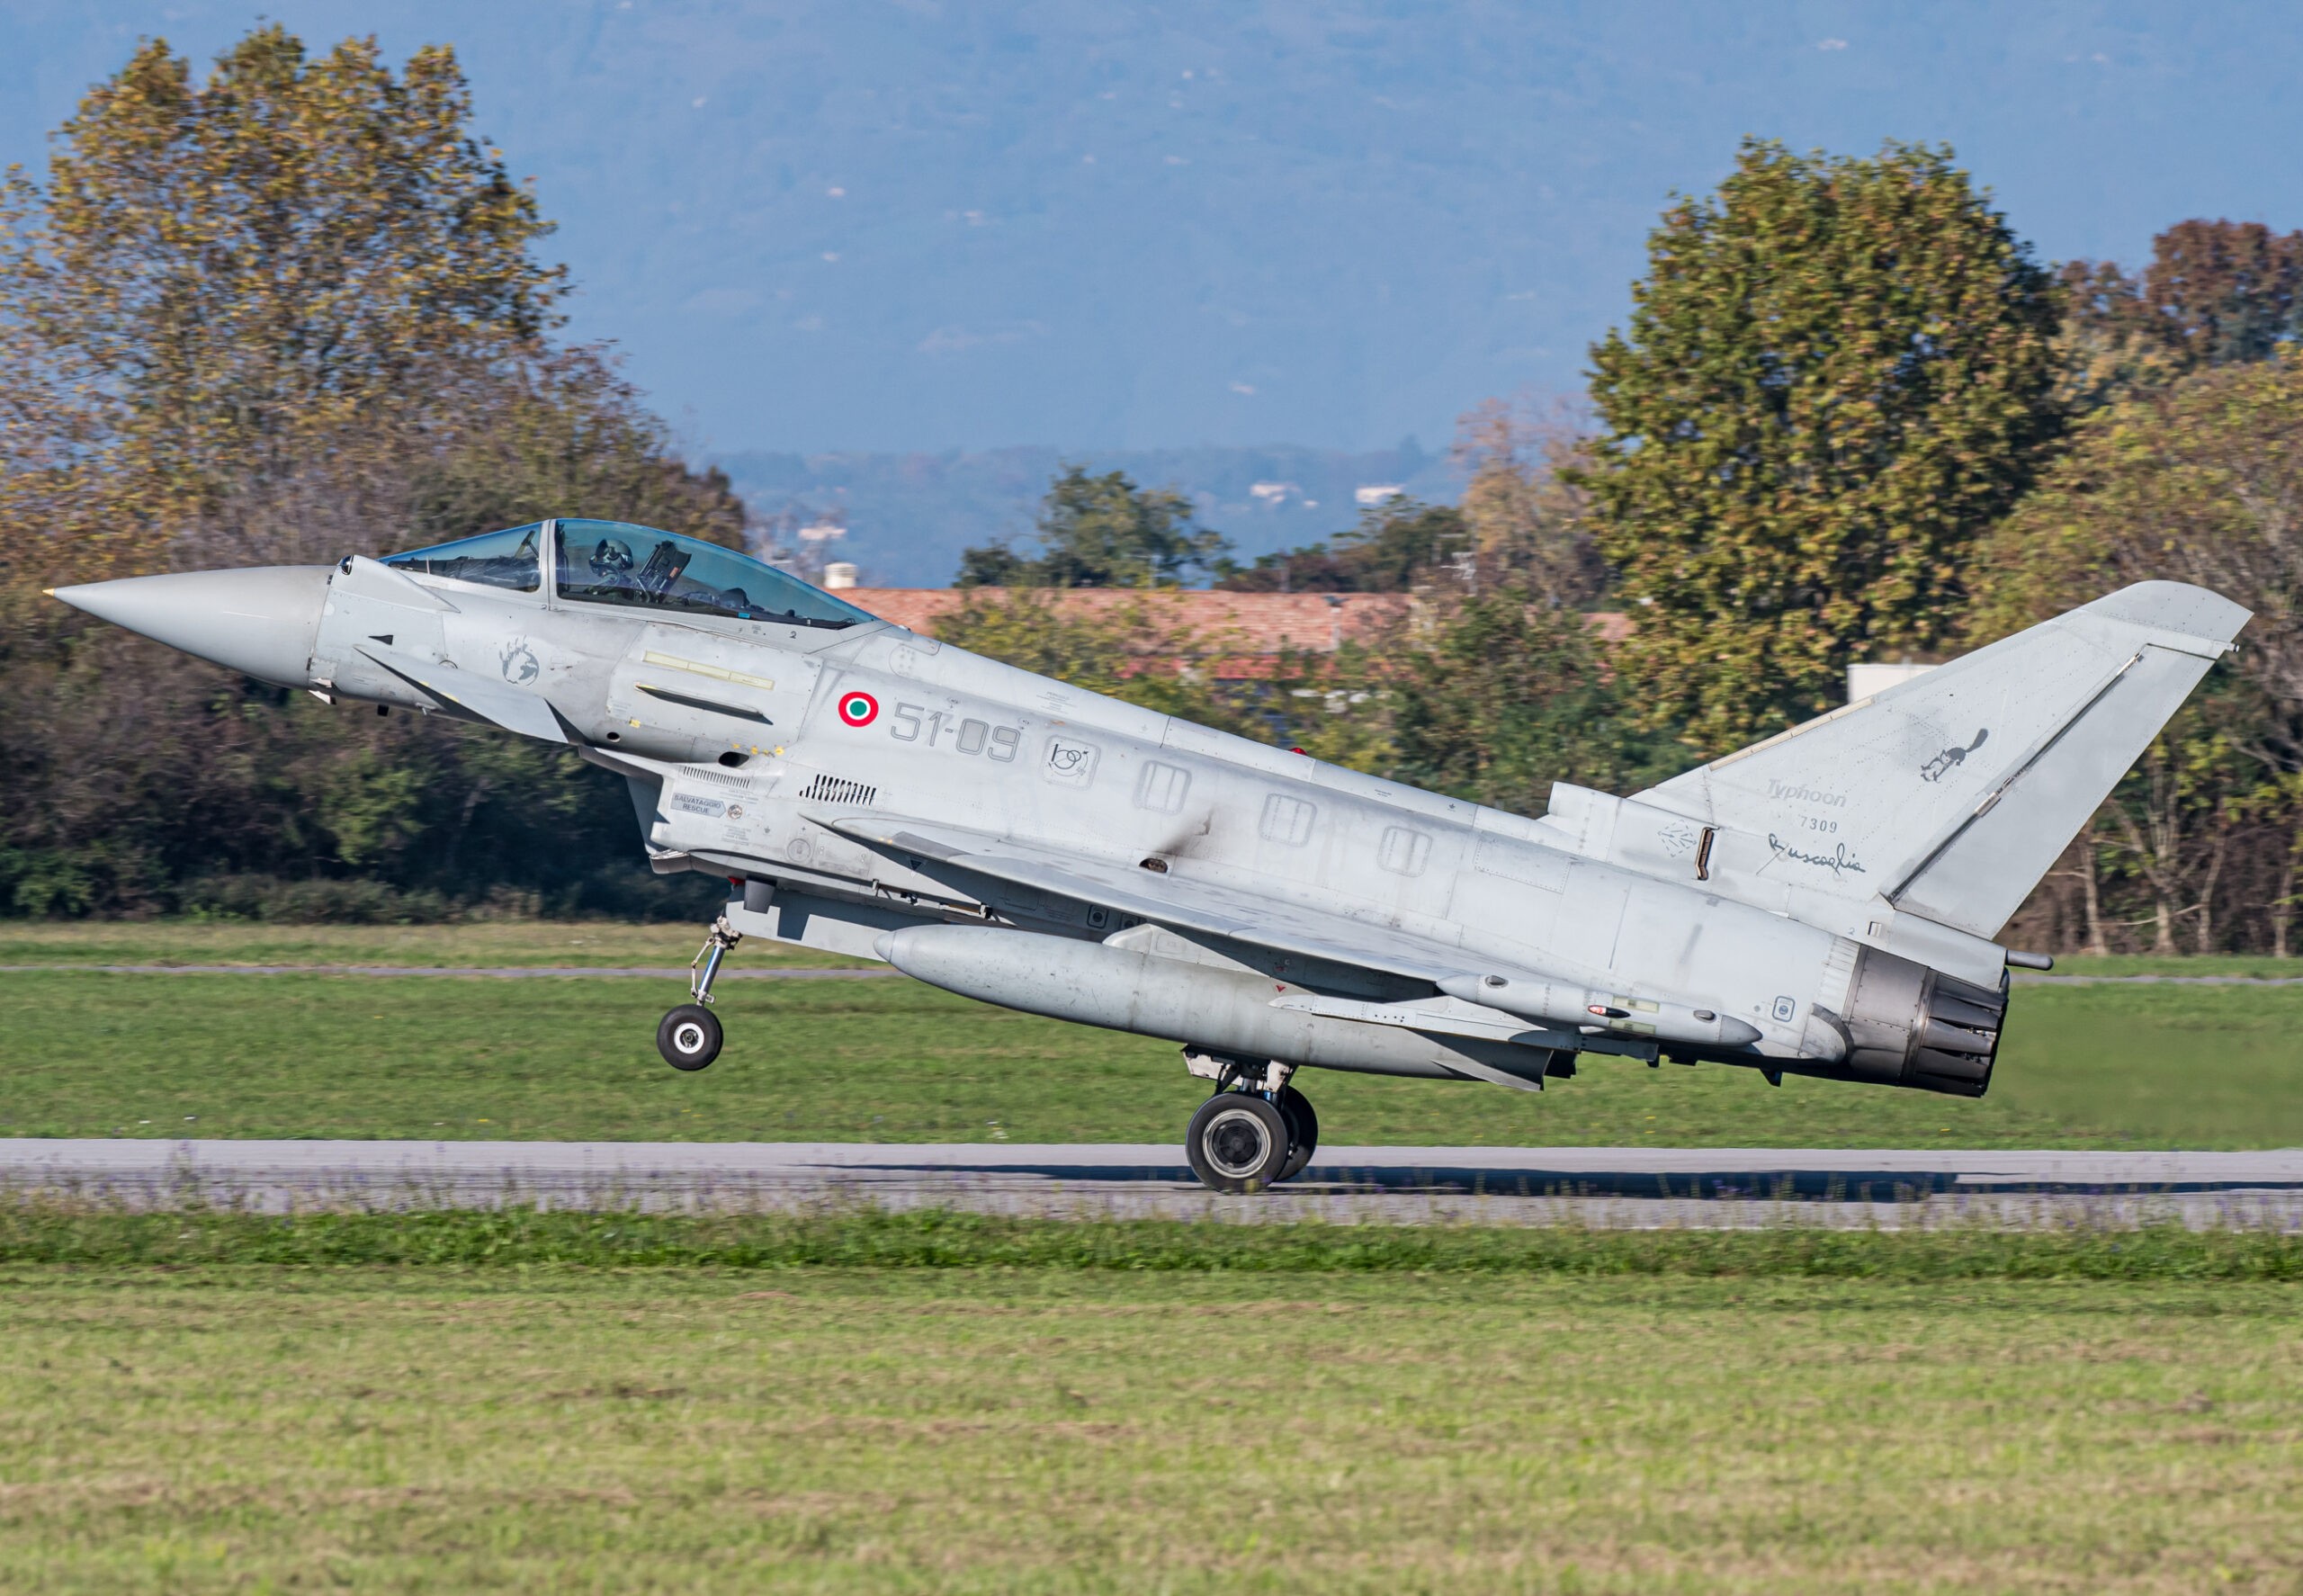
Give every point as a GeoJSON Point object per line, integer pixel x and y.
{"type": "Point", "coordinates": [262, 621]}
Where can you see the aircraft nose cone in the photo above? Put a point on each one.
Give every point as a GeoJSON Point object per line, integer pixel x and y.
{"type": "Point", "coordinates": [262, 621]}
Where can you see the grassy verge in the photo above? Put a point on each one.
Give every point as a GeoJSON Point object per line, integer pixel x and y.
{"type": "Point", "coordinates": [1023, 1429]}
{"type": "Point", "coordinates": [2251, 966]}
{"type": "Point", "coordinates": [299, 1055]}
{"type": "Point", "coordinates": [528, 943]}
{"type": "Point", "coordinates": [610, 942]}
{"type": "Point", "coordinates": [525, 1239]}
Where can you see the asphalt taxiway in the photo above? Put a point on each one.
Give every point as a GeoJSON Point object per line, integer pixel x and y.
{"type": "Point", "coordinates": [1614, 1186]}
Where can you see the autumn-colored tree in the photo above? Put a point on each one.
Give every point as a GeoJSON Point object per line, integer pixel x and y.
{"type": "Point", "coordinates": [1837, 374]}
{"type": "Point", "coordinates": [218, 275]}
{"type": "Point", "coordinates": [2198, 481]}
{"type": "Point", "coordinates": [2214, 294]}
{"type": "Point", "coordinates": [1527, 516]}
{"type": "Point", "coordinates": [284, 314]}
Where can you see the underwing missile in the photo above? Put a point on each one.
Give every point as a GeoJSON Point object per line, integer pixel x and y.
{"type": "Point", "coordinates": [1583, 1007]}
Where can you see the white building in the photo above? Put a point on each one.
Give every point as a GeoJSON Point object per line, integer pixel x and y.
{"type": "Point", "coordinates": [1868, 678]}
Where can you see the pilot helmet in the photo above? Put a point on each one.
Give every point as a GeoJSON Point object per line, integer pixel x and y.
{"type": "Point", "coordinates": [610, 558]}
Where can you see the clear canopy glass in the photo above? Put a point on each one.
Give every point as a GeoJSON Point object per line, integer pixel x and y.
{"type": "Point", "coordinates": [616, 563]}
{"type": "Point", "coordinates": [509, 559]}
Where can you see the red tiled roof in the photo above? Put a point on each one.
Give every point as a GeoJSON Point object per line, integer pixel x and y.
{"type": "Point", "coordinates": [1239, 623]}
{"type": "Point", "coordinates": [1247, 624]}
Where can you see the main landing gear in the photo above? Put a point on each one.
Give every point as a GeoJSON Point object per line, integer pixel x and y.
{"type": "Point", "coordinates": [1255, 1132]}
{"type": "Point", "coordinates": [689, 1037]}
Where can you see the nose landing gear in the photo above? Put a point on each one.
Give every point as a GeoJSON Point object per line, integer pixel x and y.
{"type": "Point", "coordinates": [689, 1037]}
{"type": "Point", "coordinates": [1255, 1132]}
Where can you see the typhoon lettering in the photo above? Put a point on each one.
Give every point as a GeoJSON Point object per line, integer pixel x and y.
{"type": "Point", "coordinates": [1800, 793]}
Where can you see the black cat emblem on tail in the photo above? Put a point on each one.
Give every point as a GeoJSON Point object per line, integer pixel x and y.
{"type": "Point", "coordinates": [1950, 759]}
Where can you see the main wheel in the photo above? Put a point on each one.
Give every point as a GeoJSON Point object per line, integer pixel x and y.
{"type": "Point", "coordinates": [689, 1037]}
{"type": "Point", "coordinates": [1305, 1126]}
{"type": "Point", "coordinates": [1237, 1142]}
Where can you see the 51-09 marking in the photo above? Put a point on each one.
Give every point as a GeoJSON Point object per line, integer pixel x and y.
{"type": "Point", "coordinates": [969, 736]}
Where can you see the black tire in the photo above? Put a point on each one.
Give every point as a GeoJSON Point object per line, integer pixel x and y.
{"type": "Point", "coordinates": [688, 1037]}
{"type": "Point", "coordinates": [1237, 1142]}
{"type": "Point", "coordinates": [1305, 1126]}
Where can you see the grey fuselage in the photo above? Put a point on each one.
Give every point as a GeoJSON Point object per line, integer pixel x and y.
{"type": "Point", "coordinates": [746, 766]}
{"type": "Point", "coordinates": [1823, 902]}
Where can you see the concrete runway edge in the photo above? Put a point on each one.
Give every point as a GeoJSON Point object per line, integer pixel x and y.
{"type": "Point", "coordinates": [1602, 1187]}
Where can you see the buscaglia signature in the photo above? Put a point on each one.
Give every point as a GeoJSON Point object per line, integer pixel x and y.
{"type": "Point", "coordinates": [1839, 861]}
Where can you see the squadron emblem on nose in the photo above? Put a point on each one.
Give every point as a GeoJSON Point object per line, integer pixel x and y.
{"type": "Point", "coordinates": [520, 665]}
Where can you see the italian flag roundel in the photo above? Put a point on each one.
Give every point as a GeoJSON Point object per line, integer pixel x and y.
{"type": "Point", "coordinates": [856, 709]}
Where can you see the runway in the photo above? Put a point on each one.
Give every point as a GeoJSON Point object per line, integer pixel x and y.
{"type": "Point", "coordinates": [1611, 1187]}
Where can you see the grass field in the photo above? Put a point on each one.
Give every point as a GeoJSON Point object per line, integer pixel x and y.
{"type": "Point", "coordinates": [297, 1055]}
{"type": "Point", "coordinates": [88, 1053]}
{"type": "Point", "coordinates": [228, 1427]}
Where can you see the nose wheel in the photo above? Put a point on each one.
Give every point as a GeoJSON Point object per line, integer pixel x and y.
{"type": "Point", "coordinates": [689, 1037]}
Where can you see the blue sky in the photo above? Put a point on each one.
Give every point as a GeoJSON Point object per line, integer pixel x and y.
{"type": "Point", "coordinates": [919, 226]}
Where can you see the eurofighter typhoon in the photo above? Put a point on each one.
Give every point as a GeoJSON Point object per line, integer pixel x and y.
{"type": "Point", "coordinates": [1822, 903]}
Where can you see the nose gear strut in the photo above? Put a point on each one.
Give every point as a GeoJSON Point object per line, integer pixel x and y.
{"type": "Point", "coordinates": [704, 968]}
{"type": "Point", "coordinates": [689, 1037]}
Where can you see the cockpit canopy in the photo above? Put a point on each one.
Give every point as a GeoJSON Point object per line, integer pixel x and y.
{"type": "Point", "coordinates": [509, 559]}
{"type": "Point", "coordinates": [617, 563]}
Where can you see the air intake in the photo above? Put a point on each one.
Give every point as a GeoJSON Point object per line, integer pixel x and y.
{"type": "Point", "coordinates": [833, 789]}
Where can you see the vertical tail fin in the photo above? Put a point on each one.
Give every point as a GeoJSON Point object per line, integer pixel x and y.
{"type": "Point", "coordinates": [1950, 795]}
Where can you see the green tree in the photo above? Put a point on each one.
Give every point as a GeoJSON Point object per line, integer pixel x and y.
{"type": "Point", "coordinates": [1837, 374]}
{"type": "Point", "coordinates": [1101, 532]}
{"type": "Point", "coordinates": [1392, 549]}
{"type": "Point", "coordinates": [1505, 693]}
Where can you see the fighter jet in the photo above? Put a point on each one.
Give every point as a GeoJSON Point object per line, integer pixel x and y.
{"type": "Point", "coordinates": [1822, 903]}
